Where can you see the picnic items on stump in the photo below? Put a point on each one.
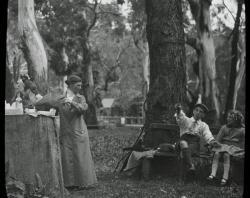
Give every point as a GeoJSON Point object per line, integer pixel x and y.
{"type": "Point", "coordinates": [16, 108]}
{"type": "Point", "coordinates": [31, 148]}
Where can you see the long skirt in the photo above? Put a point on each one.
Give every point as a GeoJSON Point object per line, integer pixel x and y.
{"type": "Point", "coordinates": [77, 164]}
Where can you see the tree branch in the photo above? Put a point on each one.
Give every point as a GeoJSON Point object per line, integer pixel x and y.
{"type": "Point", "coordinates": [136, 42]}
{"type": "Point", "coordinates": [228, 9]}
{"type": "Point", "coordinates": [95, 18]}
{"type": "Point", "coordinates": [108, 12]}
{"type": "Point", "coordinates": [116, 64]}
{"type": "Point", "coordinates": [194, 6]}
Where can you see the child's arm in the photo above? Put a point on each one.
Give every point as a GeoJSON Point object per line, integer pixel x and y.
{"type": "Point", "coordinates": [207, 135]}
{"type": "Point", "coordinates": [180, 116]}
{"type": "Point", "coordinates": [221, 133]}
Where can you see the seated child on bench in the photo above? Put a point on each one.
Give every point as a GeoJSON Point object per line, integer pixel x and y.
{"type": "Point", "coordinates": [191, 130]}
{"type": "Point", "coordinates": [232, 139]}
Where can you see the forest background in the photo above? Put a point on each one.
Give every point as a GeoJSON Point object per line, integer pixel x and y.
{"type": "Point", "coordinates": [105, 43]}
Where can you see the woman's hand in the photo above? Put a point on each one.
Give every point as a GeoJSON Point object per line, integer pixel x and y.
{"type": "Point", "coordinates": [66, 101]}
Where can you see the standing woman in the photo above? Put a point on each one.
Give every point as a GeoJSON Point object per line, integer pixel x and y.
{"type": "Point", "coordinates": [77, 164]}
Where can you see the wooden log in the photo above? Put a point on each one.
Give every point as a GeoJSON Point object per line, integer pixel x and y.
{"type": "Point", "coordinates": [32, 147]}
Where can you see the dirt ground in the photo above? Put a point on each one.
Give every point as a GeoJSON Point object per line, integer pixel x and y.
{"type": "Point", "coordinates": [106, 146]}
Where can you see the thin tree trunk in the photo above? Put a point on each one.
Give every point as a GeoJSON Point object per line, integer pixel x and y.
{"type": "Point", "coordinates": [165, 35]}
{"type": "Point", "coordinates": [241, 65]}
{"type": "Point", "coordinates": [146, 77]}
{"type": "Point", "coordinates": [206, 53]}
{"type": "Point", "coordinates": [233, 72]}
{"type": "Point", "coordinates": [33, 49]}
{"type": "Point", "coordinates": [146, 63]}
{"type": "Point", "coordinates": [9, 85]}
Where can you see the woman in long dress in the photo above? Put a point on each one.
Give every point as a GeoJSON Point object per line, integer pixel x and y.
{"type": "Point", "coordinates": [77, 164]}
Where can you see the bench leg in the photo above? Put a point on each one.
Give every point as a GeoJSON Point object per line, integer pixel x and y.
{"type": "Point", "coordinates": [182, 170]}
{"type": "Point", "coordinates": [146, 168]}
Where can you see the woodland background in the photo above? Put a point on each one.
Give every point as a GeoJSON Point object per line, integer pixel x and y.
{"type": "Point", "coordinates": [106, 44]}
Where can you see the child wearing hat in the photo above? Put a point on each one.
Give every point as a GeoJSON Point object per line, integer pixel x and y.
{"type": "Point", "coordinates": [232, 139]}
{"type": "Point", "coordinates": [191, 130]}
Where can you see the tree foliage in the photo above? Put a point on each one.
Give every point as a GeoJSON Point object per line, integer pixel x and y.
{"type": "Point", "coordinates": [80, 33]}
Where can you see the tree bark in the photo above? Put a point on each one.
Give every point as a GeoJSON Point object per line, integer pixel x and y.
{"type": "Point", "coordinates": [9, 85]}
{"type": "Point", "coordinates": [233, 72]}
{"type": "Point", "coordinates": [165, 35]}
{"type": "Point", "coordinates": [146, 62]}
{"type": "Point", "coordinates": [206, 54]}
{"type": "Point", "coordinates": [91, 118]}
{"type": "Point", "coordinates": [33, 49]}
{"type": "Point", "coordinates": [241, 65]}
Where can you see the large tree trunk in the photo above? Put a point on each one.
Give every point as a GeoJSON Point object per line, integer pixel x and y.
{"type": "Point", "coordinates": [231, 98]}
{"type": "Point", "coordinates": [165, 35]}
{"type": "Point", "coordinates": [33, 49]}
{"type": "Point", "coordinates": [206, 54]}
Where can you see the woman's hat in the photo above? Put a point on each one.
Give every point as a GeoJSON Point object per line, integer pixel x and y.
{"type": "Point", "coordinates": [73, 79]}
{"type": "Point", "coordinates": [202, 106]}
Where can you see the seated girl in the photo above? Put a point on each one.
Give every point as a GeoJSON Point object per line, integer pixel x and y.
{"type": "Point", "coordinates": [232, 139]}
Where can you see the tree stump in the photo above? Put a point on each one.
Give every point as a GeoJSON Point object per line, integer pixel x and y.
{"type": "Point", "coordinates": [32, 150]}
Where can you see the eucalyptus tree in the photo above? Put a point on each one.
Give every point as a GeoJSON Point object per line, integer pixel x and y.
{"type": "Point", "coordinates": [33, 47]}
{"type": "Point", "coordinates": [165, 35]}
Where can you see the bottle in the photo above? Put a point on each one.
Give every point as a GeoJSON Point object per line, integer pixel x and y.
{"type": "Point", "coordinates": [19, 104]}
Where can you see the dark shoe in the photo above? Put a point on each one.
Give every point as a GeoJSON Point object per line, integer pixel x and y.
{"type": "Point", "coordinates": [223, 182]}
{"type": "Point", "coordinates": [192, 168]}
{"type": "Point", "coordinates": [210, 178]}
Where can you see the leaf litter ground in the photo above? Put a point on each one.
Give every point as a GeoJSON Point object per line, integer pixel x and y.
{"type": "Point", "coordinates": [106, 147]}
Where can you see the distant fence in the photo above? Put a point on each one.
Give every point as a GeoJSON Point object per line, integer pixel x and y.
{"type": "Point", "coordinates": [118, 120]}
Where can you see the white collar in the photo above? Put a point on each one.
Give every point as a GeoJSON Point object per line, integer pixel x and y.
{"type": "Point", "coordinates": [197, 121]}
{"type": "Point", "coordinates": [69, 93]}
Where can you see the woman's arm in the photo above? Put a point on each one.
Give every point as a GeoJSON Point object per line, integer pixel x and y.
{"type": "Point", "coordinates": [49, 100]}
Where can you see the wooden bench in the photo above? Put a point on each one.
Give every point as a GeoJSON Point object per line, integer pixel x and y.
{"type": "Point", "coordinates": [170, 162]}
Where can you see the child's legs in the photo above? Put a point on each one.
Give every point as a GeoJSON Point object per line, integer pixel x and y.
{"type": "Point", "coordinates": [226, 165]}
{"type": "Point", "coordinates": [215, 163]}
{"type": "Point", "coordinates": [186, 153]}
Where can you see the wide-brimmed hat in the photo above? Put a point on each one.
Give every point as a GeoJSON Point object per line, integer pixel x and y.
{"type": "Point", "coordinates": [202, 106]}
{"type": "Point", "coordinates": [73, 79]}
